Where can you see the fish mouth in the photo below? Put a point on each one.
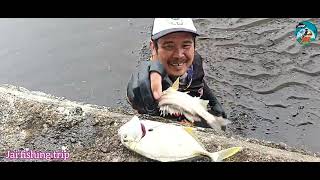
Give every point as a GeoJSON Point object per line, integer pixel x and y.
{"type": "Point", "coordinates": [178, 111]}
{"type": "Point", "coordinates": [143, 129]}
{"type": "Point", "coordinates": [167, 109]}
{"type": "Point", "coordinates": [124, 138]}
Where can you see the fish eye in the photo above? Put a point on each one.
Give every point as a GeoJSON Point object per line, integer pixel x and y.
{"type": "Point", "coordinates": [150, 129]}
{"type": "Point", "coordinates": [125, 136]}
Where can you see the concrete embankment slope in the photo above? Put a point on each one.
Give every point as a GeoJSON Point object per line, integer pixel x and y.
{"type": "Point", "coordinates": [42, 122]}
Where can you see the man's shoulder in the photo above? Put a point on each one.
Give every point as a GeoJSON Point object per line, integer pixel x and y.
{"type": "Point", "coordinates": [143, 64]}
{"type": "Point", "coordinates": [197, 59]}
{"type": "Point", "coordinates": [197, 55]}
{"type": "Point", "coordinates": [197, 62]}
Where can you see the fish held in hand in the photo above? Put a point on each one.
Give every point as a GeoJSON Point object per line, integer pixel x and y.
{"type": "Point", "coordinates": [173, 101]}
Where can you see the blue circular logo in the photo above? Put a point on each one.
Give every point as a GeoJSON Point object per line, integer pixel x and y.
{"type": "Point", "coordinates": [306, 32]}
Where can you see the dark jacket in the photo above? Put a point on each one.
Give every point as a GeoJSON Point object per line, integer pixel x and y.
{"type": "Point", "coordinates": [139, 89]}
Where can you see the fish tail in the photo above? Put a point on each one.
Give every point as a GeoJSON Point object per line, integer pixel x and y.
{"type": "Point", "coordinates": [216, 122]}
{"type": "Point", "coordinates": [222, 121]}
{"type": "Point", "coordinates": [223, 154]}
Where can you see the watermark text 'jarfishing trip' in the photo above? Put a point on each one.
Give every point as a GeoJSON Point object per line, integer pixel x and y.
{"type": "Point", "coordinates": [37, 155]}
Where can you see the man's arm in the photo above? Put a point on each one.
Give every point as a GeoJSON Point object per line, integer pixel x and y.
{"type": "Point", "coordinates": [216, 108]}
{"type": "Point", "coordinates": [140, 91]}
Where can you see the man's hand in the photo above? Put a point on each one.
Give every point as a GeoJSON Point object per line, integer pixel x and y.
{"type": "Point", "coordinates": [218, 111]}
{"type": "Point", "coordinates": [156, 86]}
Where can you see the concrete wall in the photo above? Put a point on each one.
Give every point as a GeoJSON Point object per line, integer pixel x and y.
{"type": "Point", "coordinates": [42, 122]}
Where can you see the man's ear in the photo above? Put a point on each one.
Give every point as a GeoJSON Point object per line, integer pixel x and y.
{"type": "Point", "coordinates": [153, 50]}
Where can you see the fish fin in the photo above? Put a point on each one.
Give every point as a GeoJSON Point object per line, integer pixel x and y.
{"type": "Point", "coordinates": [190, 131]}
{"type": "Point", "coordinates": [175, 85]}
{"type": "Point", "coordinates": [204, 103]}
{"type": "Point", "coordinates": [223, 154]}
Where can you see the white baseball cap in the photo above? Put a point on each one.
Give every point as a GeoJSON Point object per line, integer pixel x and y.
{"type": "Point", "coordinates": [164, 26]}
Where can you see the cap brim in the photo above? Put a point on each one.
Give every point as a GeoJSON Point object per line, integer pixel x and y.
{"type": "Point", "coordinates": [165, 32]}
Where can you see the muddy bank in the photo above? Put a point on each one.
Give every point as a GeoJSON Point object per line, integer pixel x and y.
{"type": "Point", "coordinates": [267, 82]}
{"type": "Point", "coordinates": [42, 122]}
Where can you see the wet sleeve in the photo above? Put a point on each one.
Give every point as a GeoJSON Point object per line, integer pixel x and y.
{"type": "Point", "coordinates": [215, 107]}
{"type": "Point", "coordinates": [139, 90]}
{"type": "Point", "coordinates": [156, 66]}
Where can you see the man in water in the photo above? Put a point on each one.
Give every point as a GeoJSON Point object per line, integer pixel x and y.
{"type": "Point", "coordinates": [173, 55]}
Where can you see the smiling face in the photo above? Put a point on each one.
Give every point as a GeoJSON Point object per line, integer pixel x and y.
{"type": "Point", "coordinates": [175, 51]}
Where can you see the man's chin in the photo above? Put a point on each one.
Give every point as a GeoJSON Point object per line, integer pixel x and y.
{"type": "Point", "coordinates": [177, 73]}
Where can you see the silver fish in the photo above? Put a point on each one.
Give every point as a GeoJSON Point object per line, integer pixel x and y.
{"type": "Point", "coordinates": [166, 142]}
{"type": "Point", "coordinates": [173, 101]}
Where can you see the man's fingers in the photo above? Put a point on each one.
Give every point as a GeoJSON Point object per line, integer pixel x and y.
{"type": "Point", "coordinates": [156, 95]}
{"type": "Point", "coordinates": [156, 86]}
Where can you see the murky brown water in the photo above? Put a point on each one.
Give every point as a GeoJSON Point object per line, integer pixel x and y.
{"type": "Point", "coordinates": [81, 59]}
{"type": "Point", "coordinates": [268, 83]}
